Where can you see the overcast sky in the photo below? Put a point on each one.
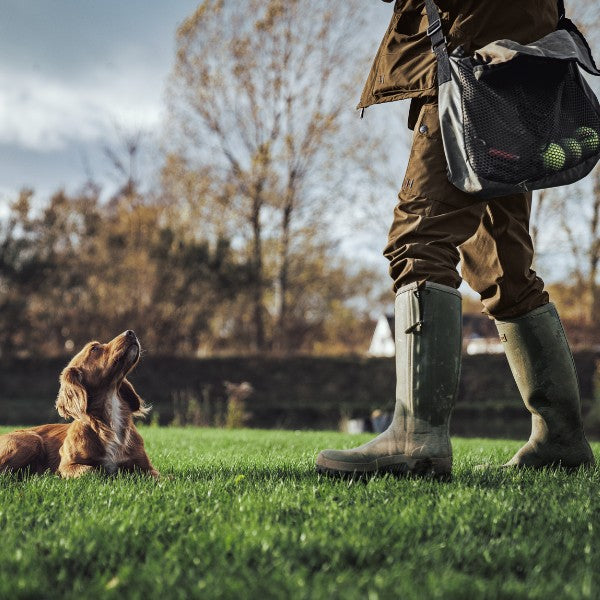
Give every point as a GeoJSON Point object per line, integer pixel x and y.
{"type": "Point", "coordinates": [73, 71]}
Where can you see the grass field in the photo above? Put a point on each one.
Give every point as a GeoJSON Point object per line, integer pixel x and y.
{"type": "Point", "coordinates": [242, 514]}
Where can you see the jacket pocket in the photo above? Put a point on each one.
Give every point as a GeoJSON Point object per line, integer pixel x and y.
{"type": "Point", "coordinates": [409, 21]}
{"type": "Point", "coordinates": [406, 62]}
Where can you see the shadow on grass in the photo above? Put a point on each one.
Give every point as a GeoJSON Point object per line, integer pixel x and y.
{"type": "Point", "coordinates": [465, 476]}
{"type": "Point", "coordinates": [238, 475]}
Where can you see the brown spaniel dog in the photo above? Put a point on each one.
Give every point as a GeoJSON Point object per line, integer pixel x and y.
{"type": "Point", "coordinates": [96, 395]}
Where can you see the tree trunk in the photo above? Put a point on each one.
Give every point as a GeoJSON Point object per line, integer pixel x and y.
{"type": "Point", "coordinates": [257, 272]}
{"type": "Point", "coordinates": [594, 255]}
{"type": "Point", "coordinates": [283, 344]}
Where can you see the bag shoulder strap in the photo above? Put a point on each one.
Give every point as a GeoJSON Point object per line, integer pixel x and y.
{"type": "Point", "coordinates": [438, 41]}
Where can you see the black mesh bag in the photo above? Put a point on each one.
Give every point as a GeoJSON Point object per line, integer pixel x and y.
{"type": "Point", "coordinates": [517, 117]}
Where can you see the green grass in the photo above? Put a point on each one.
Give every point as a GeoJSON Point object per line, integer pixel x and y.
{"type": "Point", "coordinates": [242, 514]}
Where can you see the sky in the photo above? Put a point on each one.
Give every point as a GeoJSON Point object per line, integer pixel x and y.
{"type": "Point", "coordinates": [74, 72]}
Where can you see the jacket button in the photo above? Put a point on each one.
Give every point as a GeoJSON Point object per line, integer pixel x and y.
{"type": "Point", "coordinates": [423, 129]}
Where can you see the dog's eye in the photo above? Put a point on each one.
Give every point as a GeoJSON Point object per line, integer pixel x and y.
{"type": "Point", "coordinates": [96, 348]}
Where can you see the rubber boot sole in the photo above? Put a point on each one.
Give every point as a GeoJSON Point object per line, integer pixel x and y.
{"type": "Point", "coordinates": [399, 465]}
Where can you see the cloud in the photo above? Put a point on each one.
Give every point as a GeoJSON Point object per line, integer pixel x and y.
{"type": "Point", "coordinates": [70, 71]}
{"type": "Point", "coordinates": [45, 114]}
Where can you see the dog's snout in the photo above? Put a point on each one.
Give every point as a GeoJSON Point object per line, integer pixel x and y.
{"type": "Point", "coordinates": [130, 334]}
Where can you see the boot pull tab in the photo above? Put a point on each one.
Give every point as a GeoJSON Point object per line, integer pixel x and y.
{"type": "Point", "coordinates": [417, 326]}
{"type": "Point", "coordinates": [414, 327]}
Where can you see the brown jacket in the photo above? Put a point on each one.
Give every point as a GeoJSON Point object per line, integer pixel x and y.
{"type": "Point", "coordinates": [405, 66]}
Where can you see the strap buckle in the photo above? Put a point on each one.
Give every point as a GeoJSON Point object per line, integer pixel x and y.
{"type": "Point", "coordinates": [436, 35]}
{"type": "Point", "coordinates": [434, 27]}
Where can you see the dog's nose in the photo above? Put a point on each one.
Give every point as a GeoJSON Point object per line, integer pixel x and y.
{"type": "Point", "coordinates": [130, 333]}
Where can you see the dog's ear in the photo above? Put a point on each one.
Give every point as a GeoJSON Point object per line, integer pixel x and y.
{"type": "Point", "coordinates": [130, 396]}
{"type": "Point", "coordinates": [72, 397]}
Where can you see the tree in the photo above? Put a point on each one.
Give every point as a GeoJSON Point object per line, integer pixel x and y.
{"type": "Point", "coordinates": [580, 231]}
{"type": "Point", "coordinates": [18, 268]}
{"type": "Point", "coordinates": [260, 97]}
{"type": "Point", "coordinates": [79, 269]}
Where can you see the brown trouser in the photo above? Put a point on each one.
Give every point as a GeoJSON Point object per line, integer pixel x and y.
{"type": "Point", "coordinates": [436, 224]}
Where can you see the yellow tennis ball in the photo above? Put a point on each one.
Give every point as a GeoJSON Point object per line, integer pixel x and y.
{"type": "Point", "coordinates": [553, 157]}
{"type": "Point", "coordinates": [589, 140]}
{"type": "Point", "coordinates": [573, 150]}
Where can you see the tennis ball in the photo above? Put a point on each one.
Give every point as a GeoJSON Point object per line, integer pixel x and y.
{"type": "Point", "coordinates": [553, 157]}
{"type": "Point", "coordinates": [573, 150]}
{"type": "Point", "coordinates": [589, 140]}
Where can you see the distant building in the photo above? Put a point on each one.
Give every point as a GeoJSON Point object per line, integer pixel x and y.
{"type": "Point", "coordinates": [479, 336]}
{"type": "Point", "coordinates": [382, 342]}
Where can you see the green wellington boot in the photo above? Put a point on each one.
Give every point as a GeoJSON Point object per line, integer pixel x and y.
{"type": "Point", "coordinates": [542, 365]}
{"type": "Point", "coordinates": [428, 352]}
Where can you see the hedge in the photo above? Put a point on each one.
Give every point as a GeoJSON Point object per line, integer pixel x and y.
{"type": "Point", "coordinates": [299, 392]}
